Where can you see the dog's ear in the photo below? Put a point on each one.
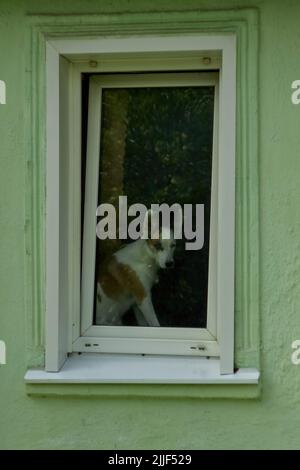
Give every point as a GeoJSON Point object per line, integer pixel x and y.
{"type": "Point", "coordinates": [151, 225]}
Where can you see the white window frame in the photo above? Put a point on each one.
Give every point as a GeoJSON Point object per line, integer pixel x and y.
{"type": "Point", "coordinates": [66, 60]}
{"type": "Point", "coordinates": [145, 340]}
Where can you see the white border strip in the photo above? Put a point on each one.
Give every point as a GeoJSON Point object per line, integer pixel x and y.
{"type": "Point", "coordinates": [54, 356]}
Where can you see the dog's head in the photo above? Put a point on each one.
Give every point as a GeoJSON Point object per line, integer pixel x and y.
{"type": "Point", "coordinates": [162, 248]}
{"type": "Point", "coordinates": [160, 242]}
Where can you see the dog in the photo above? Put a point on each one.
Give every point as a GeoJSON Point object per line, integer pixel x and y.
{"type": "Point", "coordinates": [126, 279]}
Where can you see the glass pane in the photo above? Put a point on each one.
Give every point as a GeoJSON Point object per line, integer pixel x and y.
{"type": "Point", "coordinates": [156, 147]}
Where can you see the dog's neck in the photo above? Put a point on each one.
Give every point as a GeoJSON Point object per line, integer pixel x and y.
{"type": "Point", "coordinates": [148, 255]}
{"type": "Point", "coordinates": [150, 265]}
{"type": "Point", "coordinates": [140, 257]}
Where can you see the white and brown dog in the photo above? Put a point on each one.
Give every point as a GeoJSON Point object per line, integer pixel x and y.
{"type": "Point", "coordinates": [127, 278]}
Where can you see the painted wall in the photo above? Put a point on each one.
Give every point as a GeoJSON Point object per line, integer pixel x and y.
{"type": "Point", "coordinates": [273, 420]}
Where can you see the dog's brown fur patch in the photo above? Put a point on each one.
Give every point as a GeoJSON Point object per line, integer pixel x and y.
{"type": "Point", "coordinates": [117, 279]}
{"type": "Point", "coordinates": [154, 242]}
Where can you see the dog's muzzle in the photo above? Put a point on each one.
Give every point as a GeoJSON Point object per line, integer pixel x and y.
{"type": "Point", "coordinates": [170, 264]}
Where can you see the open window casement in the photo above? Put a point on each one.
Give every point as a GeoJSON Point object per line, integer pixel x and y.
{"type": "Point", "coordinates": [148, 91]}
{"type": "Point", "coordinates": [150, 70]}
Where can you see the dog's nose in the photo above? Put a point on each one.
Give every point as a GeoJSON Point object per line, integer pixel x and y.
{"type": "Point", "coordinates": [169, 264]}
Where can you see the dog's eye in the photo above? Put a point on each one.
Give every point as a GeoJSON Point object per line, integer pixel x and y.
{"type": "Point", "coordinates": [158, 246]}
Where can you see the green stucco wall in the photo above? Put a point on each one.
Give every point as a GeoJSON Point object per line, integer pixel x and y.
{"type": "Point", "coordinates": [106, 421]}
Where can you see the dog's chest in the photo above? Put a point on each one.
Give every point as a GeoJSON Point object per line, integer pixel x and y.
{"type": "Point", "coordinates": [141, 264]}
{"type": "Point", "coordinates": [146, 273]}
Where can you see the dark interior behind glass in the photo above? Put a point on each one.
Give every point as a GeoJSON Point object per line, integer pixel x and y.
{"type": "Point", "coordinates": [156, 147]}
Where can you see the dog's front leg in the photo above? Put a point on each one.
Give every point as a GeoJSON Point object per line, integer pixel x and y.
{"type": "Point", "coordinates": [140, 319]}
{"type": "Point", "coordinates": [147, 309]}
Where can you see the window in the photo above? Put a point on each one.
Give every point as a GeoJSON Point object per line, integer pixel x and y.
{"type": "Point", "coordinates": [159, 105]}
{"type": "Point", "coordinates": [156, 146]}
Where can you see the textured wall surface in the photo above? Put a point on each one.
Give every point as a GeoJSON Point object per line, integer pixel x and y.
{"type": "Point", "coordinates": [273, 420]}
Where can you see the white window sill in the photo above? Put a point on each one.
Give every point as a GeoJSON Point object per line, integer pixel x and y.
{"type": "Point", "coordinates": [114, 368]}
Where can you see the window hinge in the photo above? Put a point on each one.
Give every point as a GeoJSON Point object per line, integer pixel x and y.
{"type": "Point", "coordinates": [198, 348]}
